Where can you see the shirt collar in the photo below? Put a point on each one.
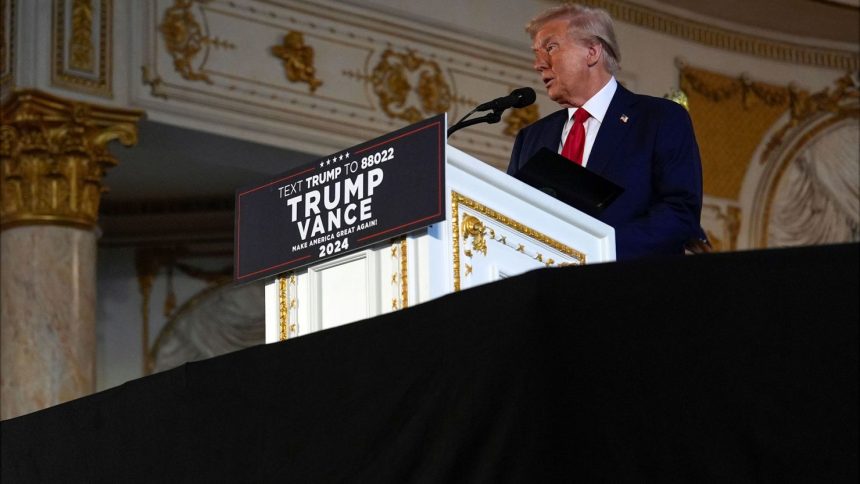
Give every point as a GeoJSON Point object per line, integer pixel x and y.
{"type": "Point", "coordinates": [599, 103]}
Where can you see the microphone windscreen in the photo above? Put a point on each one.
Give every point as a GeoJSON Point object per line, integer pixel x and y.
{"type": "Point", "coordinates": [525, 96]}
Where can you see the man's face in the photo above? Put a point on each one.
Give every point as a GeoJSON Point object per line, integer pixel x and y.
{"type": "Point", "coordinates": [562, 63]}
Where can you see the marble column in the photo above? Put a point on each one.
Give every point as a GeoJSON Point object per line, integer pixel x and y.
{"type": "Point", "coordinates": [53, 157]}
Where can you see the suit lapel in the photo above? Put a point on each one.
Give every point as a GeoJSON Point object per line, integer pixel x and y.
{"type": "Point", "coordinates": [614, 128]}
{"type": "Point", "coordinates": [550, 137]}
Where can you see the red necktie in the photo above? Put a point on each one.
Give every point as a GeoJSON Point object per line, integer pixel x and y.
{"type": "Point", "coordinates": [575, 142]}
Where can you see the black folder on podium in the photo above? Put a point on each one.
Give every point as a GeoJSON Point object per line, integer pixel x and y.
{"type": "Point", "coordinates": [564, 180]}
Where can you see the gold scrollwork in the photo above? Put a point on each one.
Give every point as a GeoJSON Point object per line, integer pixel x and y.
{"type": "Point", "coordinates": [455, 230]}
{"type": "Point", "coordinates": [7, 42]}
{"type": "Point", "coordinates": [283, 311]}
{"type": "Point", "coordinates": [680, 97]}
{"type": "Point", "coordinates": [298, 60]}
{"type": "Point", "coordinates": [737, 107]}
{"type": "Point", "coordinates": [404, 275]}
{"type": "Point", "coordinates": [400, 262]}
{"type": "Point", "coordinates": [457, 199]}
{"type": "Point", "coordinates": [82, 49]}
{"type": "Point", "coordinates": [804, 105]}
{"type": "Point", "coordinates": [287, 303]}
{"type": "Point", "coordinates": [523, 229]}
{"type": "Point", "coordinates": [718, 88]}
{"type": "Point", "coordinates": [397, 75]}
{"type": "Point", "coordinates": [517, 119]}
{"type": "Point", "coordinates": [473, 227]}
{"type": "Point", "coordinates": [731, 220]}
{"type": "Point", "coordinates": [81, 45]}
{"type": "Point", "coordinates": [184, 39]}
{"type": "Point", "coordinates": [54, 156]}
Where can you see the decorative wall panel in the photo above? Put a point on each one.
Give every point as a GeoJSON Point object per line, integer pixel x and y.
{"type": "Point", "coordinates": [7, 45]}
{"type": "Point", "coordinates": [330, 69]}
{"type": "Point", "coordinates": [83, 46]}
{"type": "Point", "coordinates": [780, 164]}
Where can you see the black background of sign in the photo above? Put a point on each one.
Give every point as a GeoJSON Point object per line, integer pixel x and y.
{"type": "Point", "coordinates": [411, 196]}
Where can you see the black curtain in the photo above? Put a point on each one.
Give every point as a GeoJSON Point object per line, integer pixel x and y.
{"type": "Point", "coordinates": [737, 367]}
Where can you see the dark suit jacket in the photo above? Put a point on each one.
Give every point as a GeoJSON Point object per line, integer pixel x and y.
{"type": "Point", "coordinates": [653, 156]}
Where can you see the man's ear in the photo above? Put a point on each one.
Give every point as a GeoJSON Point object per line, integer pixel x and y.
{"type": "Point", "coordinates": [595, 50]}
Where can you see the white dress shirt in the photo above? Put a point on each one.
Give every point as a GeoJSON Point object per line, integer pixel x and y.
{"type": "Point", "coordinates": [596, 107]}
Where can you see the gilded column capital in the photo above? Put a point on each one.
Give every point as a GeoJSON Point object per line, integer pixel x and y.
{"type": "Point", "coordinates": [54, 155]}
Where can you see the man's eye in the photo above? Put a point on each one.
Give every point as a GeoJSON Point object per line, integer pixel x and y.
{"type": "Point", "coordinates": [551, 48]}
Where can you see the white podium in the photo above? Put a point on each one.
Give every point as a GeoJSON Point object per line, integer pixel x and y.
{"type": "Point", "coordinates": [496, 227]}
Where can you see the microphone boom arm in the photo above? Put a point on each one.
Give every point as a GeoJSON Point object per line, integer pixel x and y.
{"type": "Point", "coordinates": [489, 118]}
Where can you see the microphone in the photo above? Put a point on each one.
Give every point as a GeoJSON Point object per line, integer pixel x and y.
{"type": "Point", "coordinates": [518, 98]}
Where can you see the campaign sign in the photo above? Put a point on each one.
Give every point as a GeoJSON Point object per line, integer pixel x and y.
{"type": "Point", "coordinates": [371, 192]}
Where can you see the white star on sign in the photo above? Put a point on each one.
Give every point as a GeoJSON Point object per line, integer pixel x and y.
{"type": "Point", "coordinates": [341, 156]}
{"type": "Point", "coordinates": [322, 163]}
{"type": "Point", "coordinates": [347, 154]}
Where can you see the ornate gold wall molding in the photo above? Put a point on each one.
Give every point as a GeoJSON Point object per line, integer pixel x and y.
{"type": "Point", "coordinates": [517, 119]}
{"type": "Point", "coordinates": [473, 227]}
{"type": "Point", "coordinates": [803, 106]}
{"type": "Point", "coordinates": [398, 74]}
{"type": "Point", "coordinates": [287, 303]}
{"type": "Point", "coordinates": [725, 236]}
{"type": "Point", "coordinates": [185, 38]}
{"type": "Point", "coordinates": [400, 274]}
{"type": "Point", "coordinates": [298, 60]}
{"type": "Point", "coordinates": [732, 116]}
{"type": "Point", "coordinates": [7, 45]}
{"type": "Point", "coordinates": [470, 226]}
{"type": "Point", "coordinates": [83, 46]}
{"type": "Point", "coordinates": [361, 85]}
{"type": "Point", "coordinates": [81, 43]}
{"type": "Point", "coordinates": [54, 156]}
{"type": "Point", "coordinates": [720, 38]}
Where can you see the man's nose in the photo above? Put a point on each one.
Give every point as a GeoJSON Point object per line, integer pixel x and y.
{"type": "Point", "coordinates": [540, 62]}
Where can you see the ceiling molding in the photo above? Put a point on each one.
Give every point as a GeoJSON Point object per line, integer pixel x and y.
{"type": "Point", "coordinates": [725, 39]}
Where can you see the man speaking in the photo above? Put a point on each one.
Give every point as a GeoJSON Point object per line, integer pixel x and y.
{"type": "Point", "coordinates": [644, 144]}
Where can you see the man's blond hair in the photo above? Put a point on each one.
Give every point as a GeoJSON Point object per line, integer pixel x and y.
{"type": "Point", "coordinates": [584, 24]}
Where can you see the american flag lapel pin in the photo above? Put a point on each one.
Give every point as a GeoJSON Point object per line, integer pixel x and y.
{"type": "Point", "coordinates": [624, 118]}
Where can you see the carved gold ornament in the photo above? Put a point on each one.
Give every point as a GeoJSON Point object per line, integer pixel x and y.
{"type": "Point", "coordinates": [743, 110]}
{"type": "Point", "coordinates": [517, 119]}
{"type": "Point", "coordinates": [803, 105]}
{"type": "Point", "coordinates": [287, 303]}
{"type": "Point", "coordinates": [81, 48]}
{"type": "Point", "coordinates": [472, 227]}
{"type": "Point", "coordinates": [397, 77]}
{"type": "Point", "coordinates": [54, 155]}
{"type": "Point", "coordinates": [7, 42]}
{"type": "Point", "coordinates": [184, 39]}
{"type": "Point", "coordinates": [675, 95]}
{"type": "Point", "coordinates": [731, 221]}
{"type": "Point", "coordinates": [400, 263]}
{"type": "Point", "coordinates": [298, 60]}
